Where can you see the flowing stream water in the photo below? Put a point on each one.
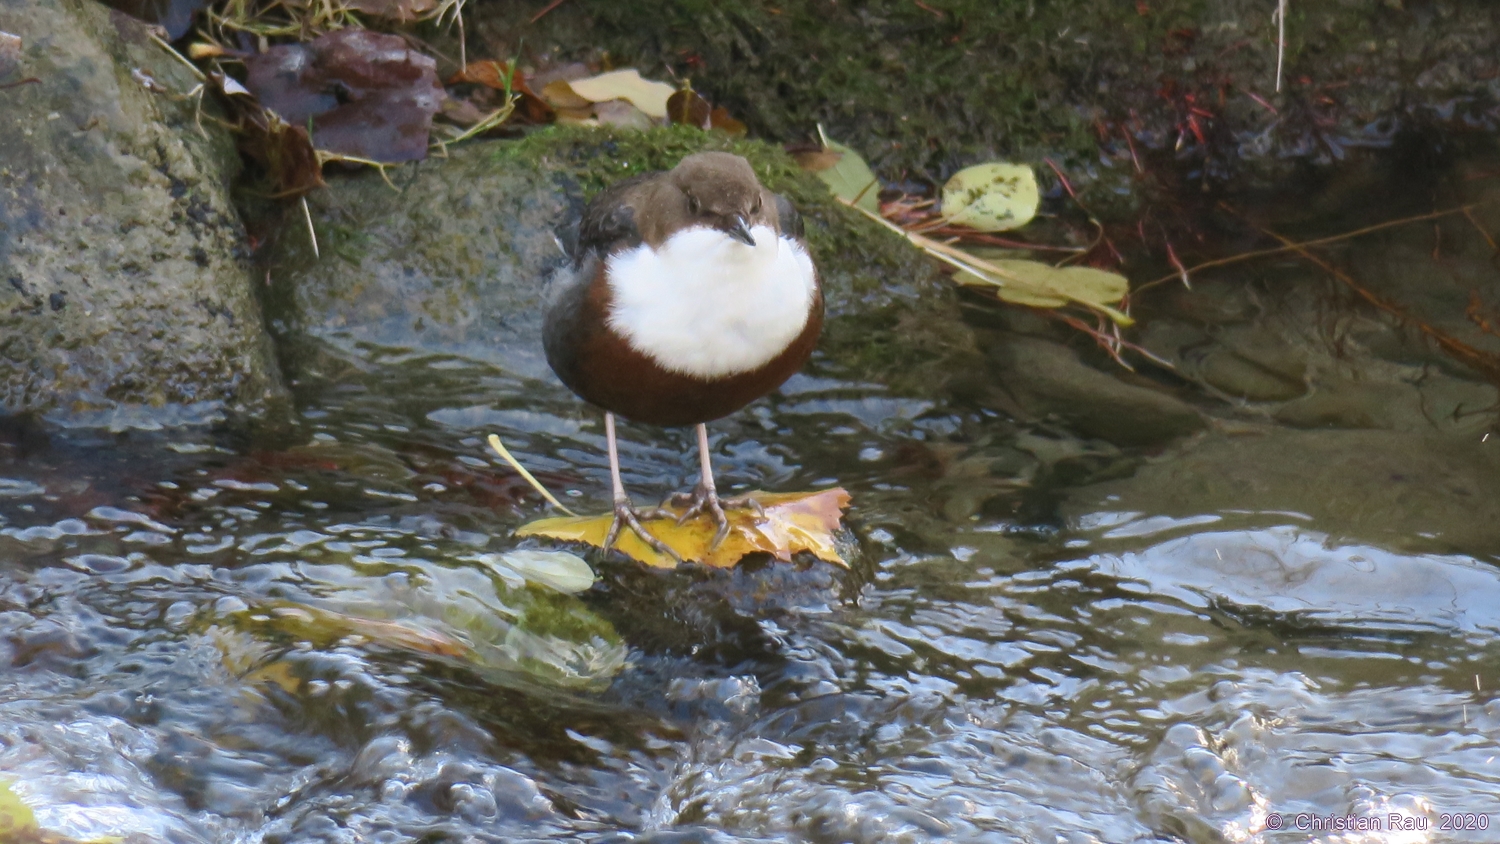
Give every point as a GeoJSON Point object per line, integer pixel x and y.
{"type": "Point", "coordinates": [1284, 628]}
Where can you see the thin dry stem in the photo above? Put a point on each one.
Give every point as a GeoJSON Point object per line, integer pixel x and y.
{"type": "Point", "coordinates": [983, 269]}
{"type": "Point", "coordinates": [1177, 274]}
{"type": "Point", "coordinates": [505, 455]}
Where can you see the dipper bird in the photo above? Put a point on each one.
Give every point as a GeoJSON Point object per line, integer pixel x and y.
{"type": "Point", "coordinates": [690, 295]}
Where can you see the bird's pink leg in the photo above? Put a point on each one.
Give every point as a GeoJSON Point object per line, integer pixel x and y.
{"type": "Point", "coordinates": [705, 496]}
{"type": "Point", "coordinates": [625, 512]}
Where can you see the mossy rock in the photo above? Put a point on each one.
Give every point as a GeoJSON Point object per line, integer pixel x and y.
{"type": "Point", "coordinates": [923, 89]}
{"type": "Point", "coordinates": [454, 259]}
{"type": "Point", "coordinates": [126, 294]}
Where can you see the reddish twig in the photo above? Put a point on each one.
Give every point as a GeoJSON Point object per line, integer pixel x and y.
{"type": "Point", "coordinates": [1293, 247]}
{"type": "Point", "coordinates": [1254, 96]}
{"type": "Point", "coordinates": [550, 6]}
{"type": "Point", "coordinates": [1067, 185]}
{"type": "Point", "coordinates": [1483, 362]}
{"type": "Point", "coordinates": [1177, 262]}
{"type": "Point", "coordinates": [926, 8]}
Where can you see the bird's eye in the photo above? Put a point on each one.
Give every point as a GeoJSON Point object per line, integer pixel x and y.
{"type": "Point", "coordinates": [755, 209]}
{"type": "Point", "coordinates": [693, 206]}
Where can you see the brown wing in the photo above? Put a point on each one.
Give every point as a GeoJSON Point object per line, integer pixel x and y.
{"type": "Point", "coordinates": [609, 220]}
{"type": "Point", "coordinates": [788, 221]}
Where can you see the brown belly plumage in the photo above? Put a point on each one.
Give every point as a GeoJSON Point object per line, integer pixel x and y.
{"type": "Point", "coordinates": [602, 367]}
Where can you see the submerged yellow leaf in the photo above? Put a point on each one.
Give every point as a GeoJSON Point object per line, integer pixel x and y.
{"type": "Point", "coordinates": [646, 95]}
{"type": "Point", "coordinates": [16, 819]}
{"type": "Point", "coordinates": [993, 197]}
{"type": "Point", "coordinates": [795, 521]}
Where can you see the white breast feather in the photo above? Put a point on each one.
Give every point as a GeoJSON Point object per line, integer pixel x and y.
{"type": "Point", "coordinates": [707, 305]}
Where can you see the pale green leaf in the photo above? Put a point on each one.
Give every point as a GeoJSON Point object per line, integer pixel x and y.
{"type": "Point", "coordinates": [1043, 286]}
{"type": "Point", "coordinates": [560, 570]}
{"type": "Point", "coordinates": [647, 95]}
{"type": "Point", "coordinates": [993, 197]}
{"type": "Point", "coordinates": [851, 179]}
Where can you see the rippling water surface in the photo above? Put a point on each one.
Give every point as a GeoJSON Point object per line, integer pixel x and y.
{"type": "Point", "coordinates": [318, 633]}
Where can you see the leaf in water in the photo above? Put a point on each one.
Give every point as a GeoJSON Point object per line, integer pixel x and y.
{"type": "Point", "coordinates": [560, 570]}
{"type": "Point", "coordinates": [17, 822]}
{"type": "Point", "coordinates": [646, 95]}
{"type": "Point", "coordinates": [991, 197]}
{"type": "Point", "coordinates": [323, 627]}
{"type": "Point", "coordinates": [387, 93]}
{"type": "Point", "coordinates": [1043, 286]}
{"type": "Point", "coordinates": [464, 615]}
{"type": "Point", "coordinates": [795, 521]}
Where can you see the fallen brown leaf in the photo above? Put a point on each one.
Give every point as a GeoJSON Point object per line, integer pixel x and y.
{"type": "Point", "coordinates": [491, 74]}
{"type": "Point", "coordinates": [403, 11]}
{"type": "Point", "coordinates": [368, 95]}
{"type": "Point", "coordinates": [817, 161]}
{"type": "Point", "coordinates": [285, 151]}
{"type": "Point", "coordinates": [686, 106]}
{"type": "Point", "coordinates": [560, 95]}
{"type": "Point", "coordinates": [721, 121]}
{"type": "Point", "coordinates": [795, 521]}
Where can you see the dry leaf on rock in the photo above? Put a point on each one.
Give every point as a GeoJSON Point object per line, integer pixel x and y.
{"type": "Point", "coordinates": [284, 150]}
{"type": "Point", "coordinates": [795, 521]}
{"type": "Point", "coordinates": [993, 197]}
{"type": "Point", "coordinates": [646, 95]}
{"type": "Point", "coordinates": [368, 95]}
{"type": "Point", "coordinates": [688, 108]}
{"type": "Point", "coordinates": [621, 113]}
{"type": "Point", "coordinates": [846, 174]}
{"type": "Point", "coordinates": [495, 75]}
{"type": "Point", "coordinates": [721, 120]}
{"type": "Point", "coordinates": [560, 95]}
{"type": "Point", "coordinates": [403, 11]}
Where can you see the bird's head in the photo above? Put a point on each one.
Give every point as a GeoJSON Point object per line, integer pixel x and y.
{"type": "Point", "coordinates": [719, 190]}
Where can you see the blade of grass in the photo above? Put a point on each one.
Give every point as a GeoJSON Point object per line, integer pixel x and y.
{"type": "Point", "coordinates": [505, 455]}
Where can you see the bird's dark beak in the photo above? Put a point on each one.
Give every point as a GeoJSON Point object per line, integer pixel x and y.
{"type": "Point", "coordinates": [740, 230]}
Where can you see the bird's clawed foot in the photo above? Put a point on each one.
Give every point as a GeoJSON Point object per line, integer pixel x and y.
{"type": "Point", "coordinates": [626, 514]}
{"type": "Point", "coordinates": [705, 499]}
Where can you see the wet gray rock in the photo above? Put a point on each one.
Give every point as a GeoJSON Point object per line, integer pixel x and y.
{"type": "Point", "coordinates": [1403, 490]}
{"type": "Point", "coordinates": [453, 260]}
{"type": "Point", "coordinates": [1043, 379]}
{"type": "Point", "coordinates": [1306, 353]}
{"type": "Point", "coordinates": [124, 296]}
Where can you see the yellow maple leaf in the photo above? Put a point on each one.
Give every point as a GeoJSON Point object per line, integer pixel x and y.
{"type": "Point", "coordinates": [794, 521]}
